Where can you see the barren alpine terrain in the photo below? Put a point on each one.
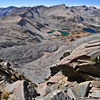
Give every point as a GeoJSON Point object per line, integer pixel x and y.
{"type": "Point", "coordinates": [50, 53]}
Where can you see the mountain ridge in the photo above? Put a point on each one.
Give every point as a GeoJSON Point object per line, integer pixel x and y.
{"type": "Point", "coordinates": [10, 8]}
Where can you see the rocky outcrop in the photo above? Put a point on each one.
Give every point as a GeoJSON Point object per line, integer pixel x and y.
{"type": "Point", "coordinates": [19, 90]}
{"type": "Point", "coordinates": [14, 86]}
{"type": "Point", "coordinates": [81, 63]}
{"type": "Point", "coordinates": [76, 76]}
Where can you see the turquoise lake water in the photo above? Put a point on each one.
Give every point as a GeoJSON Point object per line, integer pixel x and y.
{"type": "Point", "coordinates": [66, 29]}
{"type": "Point", "coordinates": [50, 32]}
{"type": "Point", "coordinates": [63, 33]}
{"type": "Point", "coordinates": [89, 30]}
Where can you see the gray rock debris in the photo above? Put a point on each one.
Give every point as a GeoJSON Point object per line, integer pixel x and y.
{"type": "Point", "coordinates": [20, 90]}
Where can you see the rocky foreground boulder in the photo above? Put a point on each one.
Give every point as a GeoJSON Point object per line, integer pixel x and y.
{"type": "Point", "coordinates": [75, 77]}
{"type": "Point", "coordinates": [14, 86]}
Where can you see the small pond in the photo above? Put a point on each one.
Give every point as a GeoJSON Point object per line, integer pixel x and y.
{"type": "Point", "coordinates": [50, 32]}
{"type": "Point", "coordinates": [63, 33]}
{"type": "Point", "coordinates": [66, 29]}
{"type": "Point", "coordinates": [89, 30]}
